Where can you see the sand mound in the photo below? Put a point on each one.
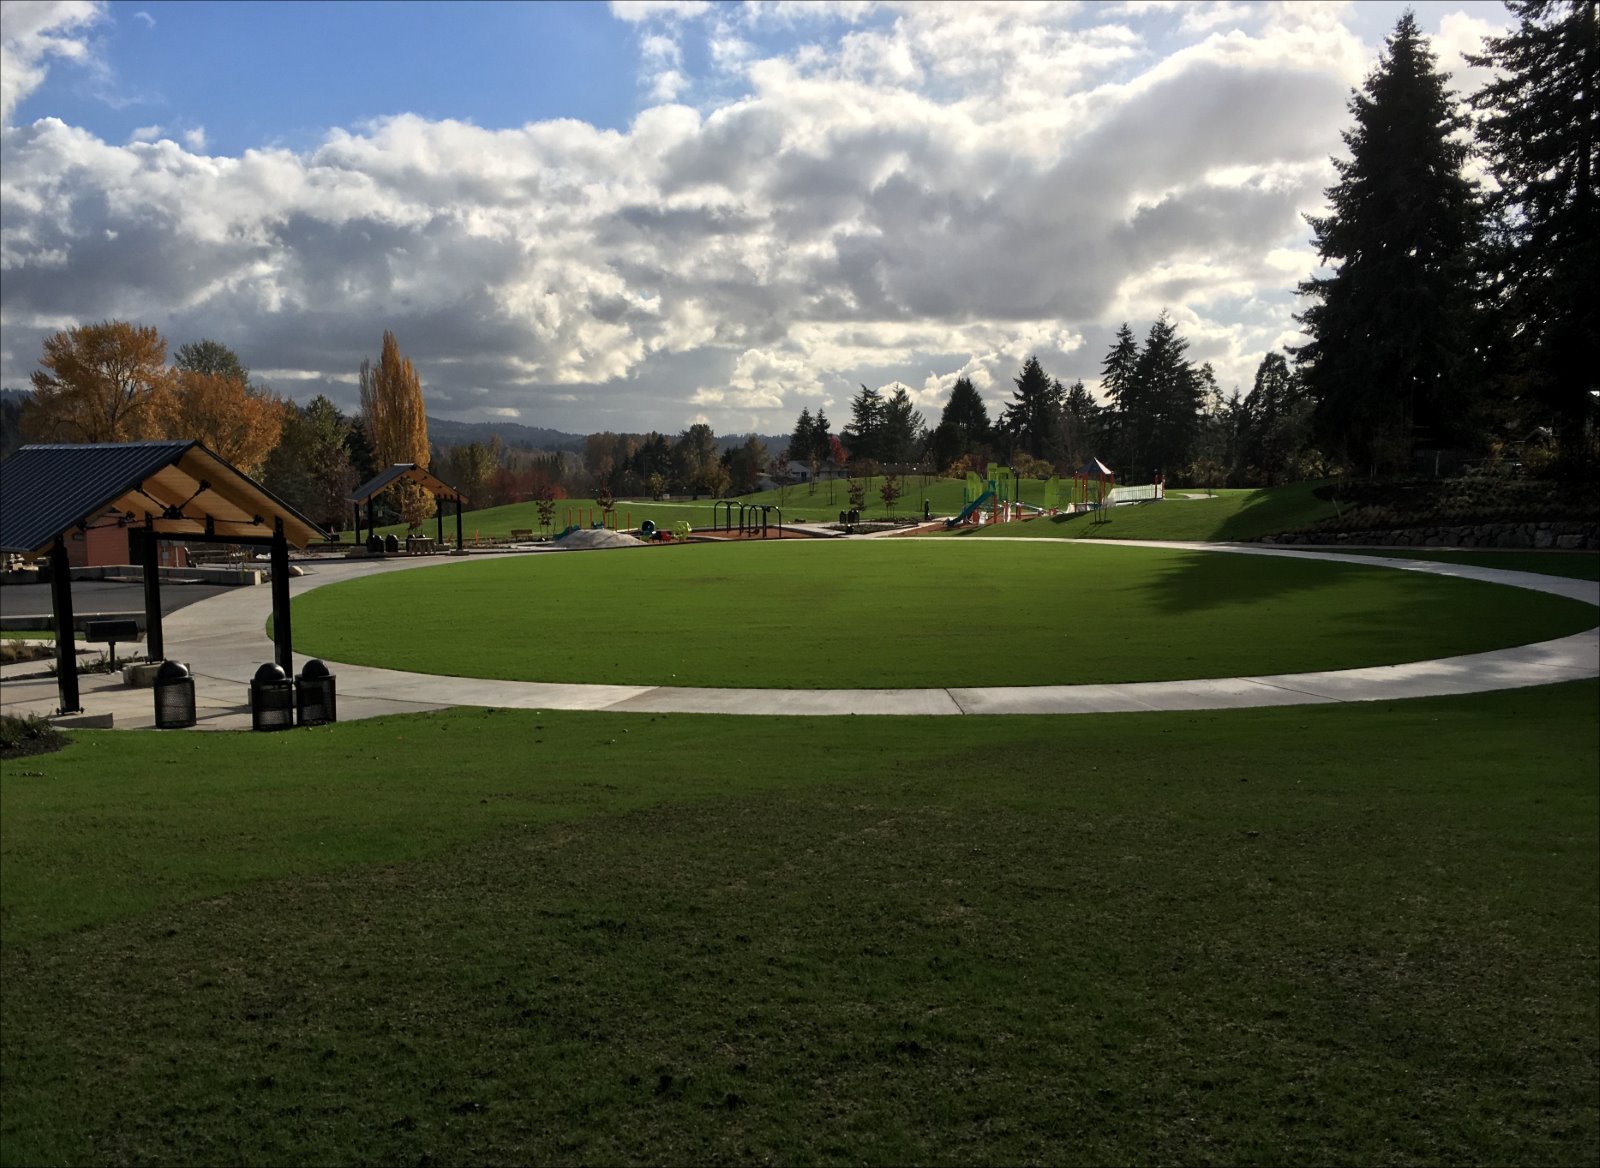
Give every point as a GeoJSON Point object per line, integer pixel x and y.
{"type": "Point", "coordinates": [598, 538]}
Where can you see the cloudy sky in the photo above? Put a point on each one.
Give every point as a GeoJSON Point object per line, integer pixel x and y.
{"type": "Point", "coordinates": [640, 215]}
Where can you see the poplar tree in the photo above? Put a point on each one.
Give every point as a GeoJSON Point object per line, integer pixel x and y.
{"type": "Point", "coordinates": [1539, 127]}
{"type": "Point", "coordinates": [397, 425]}
{"type": "Point", "coordinates": [1390, 359]}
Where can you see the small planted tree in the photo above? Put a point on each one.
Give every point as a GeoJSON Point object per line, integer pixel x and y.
{"type": "Point", "coordinates": [890, 492]}
{"type": "Point", "coordinates": [547, 507]}
{"type": "Point", "coordinates": [857, 491]}
{"type": "Point", "coordinates": [608, 504]}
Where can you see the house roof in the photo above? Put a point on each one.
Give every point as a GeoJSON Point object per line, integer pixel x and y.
{"type": "Point", "coordinates": [180, 487]}
{"type": "Point", "coordinates": [437, 487]}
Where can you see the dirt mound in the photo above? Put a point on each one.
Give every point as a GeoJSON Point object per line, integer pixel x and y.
{"type": "Point", "coordinates": [596, 537]}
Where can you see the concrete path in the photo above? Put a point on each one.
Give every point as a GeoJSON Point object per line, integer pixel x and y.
{"type": "Point", "coordinates": [223, 640]}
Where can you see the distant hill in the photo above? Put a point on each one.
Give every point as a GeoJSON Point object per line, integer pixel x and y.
{"type": "Point", "coordinates": [513, 434]}
{"type": "Point", "coordinates": [520, 437]}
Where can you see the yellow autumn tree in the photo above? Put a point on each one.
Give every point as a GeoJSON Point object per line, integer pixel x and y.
{"type": "Point", "coordinates": [235, 420]}
{"type": "Point", "coordinates": [397, 425]}
{"type": "Point", "coordinates": [100, 383]}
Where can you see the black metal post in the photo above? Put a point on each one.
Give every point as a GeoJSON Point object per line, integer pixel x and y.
{"type": "Point", "coordinates": [438, 513]}
{"type": "Point", "coordinates": [358, 524]}
{"type": "Point", "coordinates": [282, 637]}
{"type": "Point", "coordinates": [458, 525]}
{"type": "Point", "coordinates": [66, 633]}
{"type": "Point", "coordinates": [150, 557]}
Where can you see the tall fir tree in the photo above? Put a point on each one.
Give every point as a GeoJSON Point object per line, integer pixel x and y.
{"type": "Point", "coordinates": [864, 435]}
{"type": "Point", "coordinates": [1033, 415]}
{"type": "Point", "coordinates": [904, 432]}
{"type": "Point", "coordinates": [1539, 127]}
{"type": "Point", "coordinates": [803, 441]}
{"type": "Point", "coordinates": [1170, 394]}
{"type": "Point", "coordinates": [1390, 362]}
{"type": "Point", "coordinates": [963, 424]}
{"type": "Point", "coordinates": [1118, 382]}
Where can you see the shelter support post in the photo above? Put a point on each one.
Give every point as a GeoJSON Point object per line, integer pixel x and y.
{"type": "Point", "coordinates": [358, 524]}
{"type": "Point", "coordinates": [66, 633]}
{"type": "Point", "coordinates": [150, 559]}
{"type": "Point", "coordinates": [458, 526]}
{"type": "Point", "coordinates": [282, 637]}
{"type": "Point", "coordinates": [438, 514]}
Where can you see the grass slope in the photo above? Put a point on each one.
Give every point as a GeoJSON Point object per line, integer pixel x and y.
{"type": "Point", "coordinates": [1229, 515]}
{"type": "Point", "coordinates": [903, 613]}
{"type": "Point", "coordinates": [1346, 934]}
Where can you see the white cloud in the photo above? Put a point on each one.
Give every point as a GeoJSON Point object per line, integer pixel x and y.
{"type": "Point", "coordinates": [145, 18]}
{"type": "Point", "coordinates": [941, 190]}
{"type": "Point", "coordinates": [638, 11]}
{"type": "Point", "coordinates": [32, 33]}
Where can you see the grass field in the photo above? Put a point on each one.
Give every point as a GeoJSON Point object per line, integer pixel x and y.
{"type": "Point", "coordinates": [1349, 934]}
{"type": "Point", "coordinates": [903, 613]}
{"type": "Point", "coordinates": [1230, 515]}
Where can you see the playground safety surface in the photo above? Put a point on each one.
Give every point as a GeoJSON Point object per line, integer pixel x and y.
{"type": "Point", "coordinates": [222, 640]}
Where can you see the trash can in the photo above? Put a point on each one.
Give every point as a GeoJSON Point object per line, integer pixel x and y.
{"type": "Point", "coordinates": [374, 544]}
{"type": "Point", "coordinates": [391, 544]}
{"type": "Point", "coordinates": [314, 696]}
{"type": "Point", "coordinates": [271, 699]}
{"type": "Point", "coordinates": [174, 690]}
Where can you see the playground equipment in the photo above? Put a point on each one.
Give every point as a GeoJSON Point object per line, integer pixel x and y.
{"type": "Point", "coordinates": [748, 524]}
{"type": "Point", "coordinates": [998, 494]}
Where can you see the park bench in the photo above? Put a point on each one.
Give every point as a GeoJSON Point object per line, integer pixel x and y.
{"type": "Point", "coordinates": [521, 534]}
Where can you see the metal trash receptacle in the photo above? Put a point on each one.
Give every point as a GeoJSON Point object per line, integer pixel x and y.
{"type": "Point", "coordinates": [391, 544]}
{"type": "Point", "coordinates": [271, 699]}
{"type": "Point", "coordinates": [174, 690]}
{"type": "Point", "coordinates": [314, 697]}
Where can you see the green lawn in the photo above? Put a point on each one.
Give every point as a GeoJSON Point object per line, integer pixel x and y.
{"type": "Point", "coordinates": [1230, 515]}
{"type": "Point", "coordinates": [1347, 934]}
{"type": "Point", "coordinates": [914, 613]}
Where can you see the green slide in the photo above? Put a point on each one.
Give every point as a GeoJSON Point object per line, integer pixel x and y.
{"type": "Point", "coordinates": [966, 512]}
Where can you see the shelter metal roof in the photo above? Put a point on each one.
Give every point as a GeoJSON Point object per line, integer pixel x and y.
{"type": "Point", "coordinates": [180, 487]}
{"type": "Point", "coordinates": [435, 486]}
{"type": "Point", "coordinates": [1097, 468]}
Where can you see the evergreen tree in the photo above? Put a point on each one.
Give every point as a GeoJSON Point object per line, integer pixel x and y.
{"type": "Point", "coordinates": [803, 441]}
{"type": "Point", "coordinates": [821, 451]}
{"type": "Point", "coordinates": [1539, 128]}
{"type": "Point", "coordinates": [1390, 357]}
{"type": "Point", "coordinates": [963, 426]}
{"type": "Point", "coordinates": [904, 431]}
{"type": "Point", "coordinates": [213, 358]}
{"type": "Point", "coordinates": [1032, 417]}
{"type": "Point", "coordinates": [1080, 415]}
{"type": "Point", "coordinates": [1118, 381]}
{"type": "Point", "coordinates": [1169, 394]}
{"type": "Point", "coordinates": [863, 436]}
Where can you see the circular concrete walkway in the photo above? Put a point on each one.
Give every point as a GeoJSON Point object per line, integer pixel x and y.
{"type": "Point", "coordinates": [223, 641]}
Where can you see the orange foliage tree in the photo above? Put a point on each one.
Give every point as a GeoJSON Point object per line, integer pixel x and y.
{"type": "Point", "coordinates": [237, 421]}
{"type": "Point", "coordinates": [397, 425]}
{"type": "Point", "coordinates": [100, 383]}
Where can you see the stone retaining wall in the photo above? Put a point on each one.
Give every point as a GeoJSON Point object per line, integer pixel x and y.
{"type": "Point", "coordinates": [1554, 536]}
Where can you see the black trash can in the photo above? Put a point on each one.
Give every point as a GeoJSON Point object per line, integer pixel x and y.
{"type": "Point", "coordinates": [271, 699]}
{"type": "Point", "coordinates": [391, 544]}
{"type": "Point", "coordinates": [314, 695]}
{"type": "Point", "coordinates": [174, 690]}
{"type": "Point", "coordinates": [374, 544]}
